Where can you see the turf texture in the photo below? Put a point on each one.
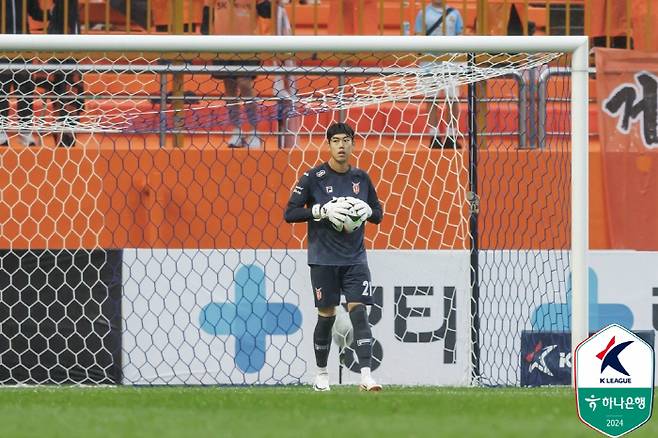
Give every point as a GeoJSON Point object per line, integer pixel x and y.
{"type": "Point", "coordinates": [294, 411]}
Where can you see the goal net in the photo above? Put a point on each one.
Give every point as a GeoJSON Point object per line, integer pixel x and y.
{"type": "Point", "coordinates": [142, 238]}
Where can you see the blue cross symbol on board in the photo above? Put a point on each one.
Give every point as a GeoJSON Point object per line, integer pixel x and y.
{"type": "Point", "coordinates": [557, 316]}
{"type": "Point", "coordinates": [250, 318]}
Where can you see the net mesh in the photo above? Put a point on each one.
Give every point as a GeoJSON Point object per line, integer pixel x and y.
{"type": "Point", "coordinates": [142, 234]}
{"type": "Point", "coordinates": [524, 228]}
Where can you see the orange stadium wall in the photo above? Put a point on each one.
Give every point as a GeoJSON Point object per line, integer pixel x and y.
{"type": "Point", "coordinates": [208, 198]}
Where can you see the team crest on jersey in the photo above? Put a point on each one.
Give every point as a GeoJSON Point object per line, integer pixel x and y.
{"type": "Point", "coordinates": [318, 293]}
{"type": "Point", "coordinates": [355, 187]}
{"type": "Point", "coordinates": [330, 189]}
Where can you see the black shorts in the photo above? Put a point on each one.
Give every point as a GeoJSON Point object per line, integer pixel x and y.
{"type": "Point", "coordinates": [330, 281]}
{"type": "Point", "coordinates": [235, 63]}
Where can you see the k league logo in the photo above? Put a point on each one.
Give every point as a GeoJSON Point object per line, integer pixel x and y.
{"type": "Point", "coordinates": [545, 358]}
{"type": "Point", "coordinates": [537, 358]}
{"type": "Point", "coordinates": [610, 356]}
{"type": "Point", "coordinates": [614, 379]}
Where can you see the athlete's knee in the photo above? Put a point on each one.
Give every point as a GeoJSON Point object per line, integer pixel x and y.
{"type": "Point", "coordinates": [327, 312]}
{"type": "Point", "coordinates": [359, 316]}
{"type": "Point", "coordinates": [355, 306]}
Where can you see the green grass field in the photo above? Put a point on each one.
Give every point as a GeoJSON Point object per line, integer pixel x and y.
{"type": "Point", "coordinates": [293, 412]}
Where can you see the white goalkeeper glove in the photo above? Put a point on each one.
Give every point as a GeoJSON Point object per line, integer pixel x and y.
{"type": "Point", "coordinates": [335, 211]}
{"type": "Point", "coordinates": [362, 208]}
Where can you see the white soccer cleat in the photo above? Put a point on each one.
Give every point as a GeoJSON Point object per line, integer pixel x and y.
{"type": "Point", "coordinates": [27, 139]}
{"type": "Point", "coordinates": [321, 382]}
{"type": "Point", "coordinates": [253, 142]}
{"type": "Point", "coordinates": [369, 384]}
{"type": "Point", "coordinates": [235, 140]}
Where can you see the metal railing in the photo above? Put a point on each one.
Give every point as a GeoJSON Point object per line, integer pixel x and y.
{"type": "Point", "coordinates": [543, 100]}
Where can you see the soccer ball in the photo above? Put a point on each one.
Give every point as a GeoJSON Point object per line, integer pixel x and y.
{"type": "Point", "coordinates": [352, 222]}
{"type": "Point", "coordinates": [342, 332]}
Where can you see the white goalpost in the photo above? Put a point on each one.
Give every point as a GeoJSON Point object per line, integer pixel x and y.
{"type": "Point", "coordinates": [138, 246]}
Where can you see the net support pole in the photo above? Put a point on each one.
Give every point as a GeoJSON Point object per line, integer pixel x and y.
{"type": "Point", "coordinates": [579, 195]}
{"type": "Point", "coordinates": [473, 225]}
{"type": "Point", "coordinates": [178, 80]}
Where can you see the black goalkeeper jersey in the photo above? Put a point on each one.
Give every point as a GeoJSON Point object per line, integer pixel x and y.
{"type": "Point", "coordinates": [319, 185]}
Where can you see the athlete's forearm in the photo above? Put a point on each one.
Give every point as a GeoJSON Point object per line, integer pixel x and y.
{"type": "Point", "coordinates": [377, 215]}
{"type": "Point", "coordinates": [298, 214]}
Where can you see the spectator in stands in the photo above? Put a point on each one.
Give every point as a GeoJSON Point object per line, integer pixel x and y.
{"type": "Point", "coordinates": [237, 17]}
{"type": "Point", "coordinates": [19, 80]}
{"type": "Point", "coordinates": [438, 17]}
{"type": "Point", "coordinates": [284, 87]}
{"type": "Point", "coordinates": [66, 86]}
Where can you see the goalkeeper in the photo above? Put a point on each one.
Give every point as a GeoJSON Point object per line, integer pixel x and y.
{"type": "Point", "coordinates": [323, 197]}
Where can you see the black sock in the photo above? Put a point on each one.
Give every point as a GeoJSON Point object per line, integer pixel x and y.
{"type": "Point", "coordinates": [322, 339]}
{"type": "Point", "coordinates": [362, 335]}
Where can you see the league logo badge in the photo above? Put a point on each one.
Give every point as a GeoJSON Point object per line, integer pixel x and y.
{"type": "Point", "coordinates": [614, 379]}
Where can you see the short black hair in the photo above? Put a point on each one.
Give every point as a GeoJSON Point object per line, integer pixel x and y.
{"type": "Point", "coordinates": [339, 128]}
